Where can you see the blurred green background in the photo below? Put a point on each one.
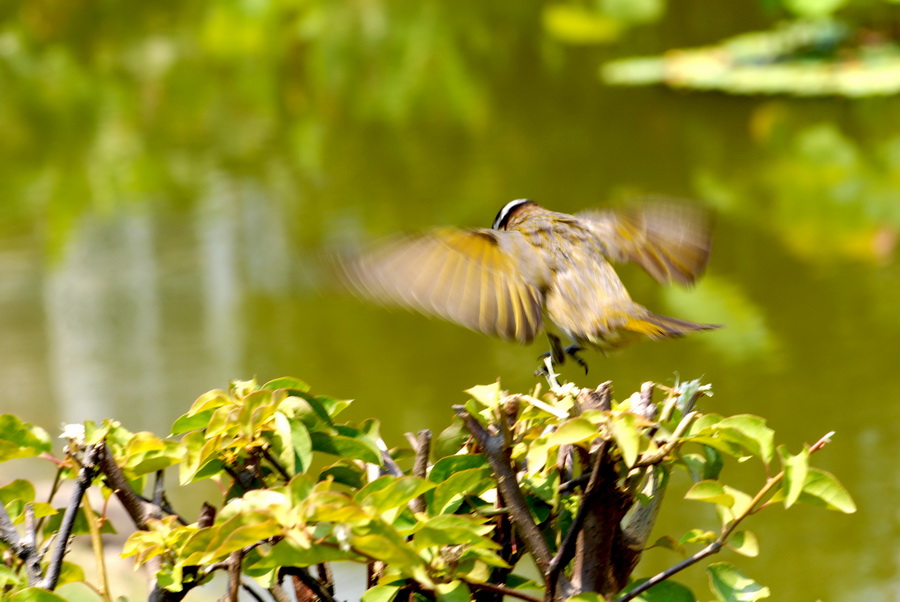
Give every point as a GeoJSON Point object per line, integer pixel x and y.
{"type": "Point", "coordinates": [171, 172]}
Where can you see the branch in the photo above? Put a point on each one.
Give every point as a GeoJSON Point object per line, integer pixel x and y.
{"type": "Point", "coordinates": [717, 545]}
{"type": "Point", "coordinates": [501, 589]}
{"type": "Point", "coordinates": [309, 581]}
{"type": "Point", "coordinates": [138, 509]}
{"type": "Point", "coordinates": [498, 458]}
{"type": "Point", "coordinates": [22, 548]}
{"type": "Point", "coordinates": [390, 465]}
{"type": "Point", "coordinates": [420, 465]}
{"type": "Point", "coordinates": [86, 474]}
{"type": "Point", "coordinates": [567, 548]}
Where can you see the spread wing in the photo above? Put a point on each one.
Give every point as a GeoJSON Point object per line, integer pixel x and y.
{"type": "Point", "coordinates": [670, 240]}
{"type": "Point", "coordinates": [492, 282]}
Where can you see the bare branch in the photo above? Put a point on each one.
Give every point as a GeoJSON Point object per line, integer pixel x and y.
{"type": "Point", "coordinates": [498, 458]}
{"type": "Point", "coordinates": [86, 474]}
{"type": "Point", "coordinates": [420, 465]}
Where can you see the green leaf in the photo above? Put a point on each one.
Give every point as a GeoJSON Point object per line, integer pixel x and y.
{"type": "Point", "coordinates": [729, 584]}
{"type": "Point", "coordinates": [398, 493]}
{"type": "Point", "coordinates": [36, 594]}
{"type": "Point", "coordinates": [449, 441]}
{"type": "Point", "coordinates": [472, 481]}
{"type": "Point", "coordinates": [286, 382]}
{"type": "Point", "coordinates": [744, 543]}
{"type": "Point", "coordinates": [487, 395]}
{"type": "Point", "coordinates": [710, 491]}
{"type": "Point", "coordinates": [668, 542]}
{"type": "Point", "coordinates": [751, 433]}
{"type": "Point", "coordinates": [574, 430]}
{"type": "Point", "coordinates": [795, 471]}
{"type": "Point", "coordinates": [705, 466]}
{"type": "Point", "coordinates": [19, 489]}
{"type": "Point", "coordinates": [445, 467]}
{"type": "Point", "coordinates": [380, 593]}
{"type": "Point", "coordinates": [345, 447]}
{"type": "Point", "coordinates": [201, 411]}
{"type": "Point", "coordinates": [21, 439]}
{"type": "Point", "coordinates": [290, 552]}
{"type": "Point", "coordinates": [344, 472]}
{"type": "Point", "coordinates": [666, 591]}
{"type": "Point", "coordinates": [455, 591]}
{"type": "Point", "coordinates": [78, 592]}
{"type": "Point", "coordinates": [700, 536]}
{"type": "Point", "coordinates": [624, 431]}
{"type": "Point", "coordinates": [821, 488]}
{"type": "Point", "coordinates": [538, 453]}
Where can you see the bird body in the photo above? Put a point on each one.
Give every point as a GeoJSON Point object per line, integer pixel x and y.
{"type": "Point", "coordinates": [535, 263]}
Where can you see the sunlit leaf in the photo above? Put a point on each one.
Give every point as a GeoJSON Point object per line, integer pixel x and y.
{"type": "Point", "coordinates": [796, 468]}
{"type": "Point", "coordinates": [78, 592]}
{"type": "Point", "coordinates": [669, 543]}
{"type": "Point", "coordinates": [624, 431]}
{"type": "Point", "coordinates": [20, 439]}
{"type": "Point", "coordinates": [286, 382]}
{"type": "Point", "coordinates": [445, 467]}
{"type": "Point", "coordinates": [472, 481]}
{"type": "Point", "coordinates": [700, 536]}
{"type": "Point", "coordinates": [712, 492]}
{"type": "Point", "coordinates": [36, 594]}
{"type": "Point", "coordinates": [345, 447]}
{"type": "Point", "coordinates": [729, 584]}
{"type": "Point", "coordinates": [574, 430]}
{"type": "Point", "coordinates": [380, 593]}
{"type": "Point", "coordinates": [744, 543]}
{"type": "Point", "coordinates": [487, 395]}
{"type": "Point", "coordinates": [455, 591]}
{"type": "Point", "coordinates": [823, 489]}
{"type": "Point", "coordinates": [576, 24]}
{"type": "Point", "coordinates": [538, 453]}
{"type": "Point", "coordinates": [398, 493]}
{"type": "Point", "coordinates": [751, 433]}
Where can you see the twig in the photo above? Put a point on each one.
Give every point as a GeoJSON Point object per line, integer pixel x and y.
{"type": "Point", "coordinates": [234, 575]}
{"type": "Point", "coordinates": [567, 548]}
{"type": "Point", "coordinates": [93, 523]}
{"type": "Point", "coordinates": [390, 466]}
{"type": "Point", "coordinates": [22, 548]}
{"type": "Point", "coordinates": [309, 581]}
{"type": "Point", "coordinates": [274, 462]}
{"type": "Point", "coordinates": [85, 477]}
{"type": "Point", "coordinates": [499, 460]}
{"type": "Point", "coordinates": [501, 589]}
{"type": "Point", "coordinates": [138, 509]}
{"type": "Point", "coordinates": [420, 465]}
{"type": "Point", "coordinates": [717, 545]}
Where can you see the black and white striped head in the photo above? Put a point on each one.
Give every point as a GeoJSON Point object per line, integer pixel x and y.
{"type": "Point", "coordinates": [508, 211]}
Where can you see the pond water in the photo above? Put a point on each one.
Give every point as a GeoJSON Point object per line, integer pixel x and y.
{"type": "Point", "coordinates": [172, 176]}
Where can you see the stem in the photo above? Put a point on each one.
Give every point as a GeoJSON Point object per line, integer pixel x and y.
{"type": "Point", "coordinates": [501, 589]}
{"type": "Point", "coordinates": [715, 546]}
{"type": "Point", "coordinates": [506, 482]}
{"type": "Point", "coordinates": [86, 474]}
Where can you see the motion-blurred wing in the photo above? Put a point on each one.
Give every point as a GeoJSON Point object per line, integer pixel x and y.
{"type": "Point", "coordinates": [670, 240]}
{"type": "Point", "coordinates": [489, 281]}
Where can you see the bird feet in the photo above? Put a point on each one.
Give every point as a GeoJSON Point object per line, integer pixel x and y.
{"type": "Point", "coordinates": [557, 355]}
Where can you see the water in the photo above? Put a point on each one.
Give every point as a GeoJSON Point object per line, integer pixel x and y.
{"type": "Point", "coordinates": [169, 189]}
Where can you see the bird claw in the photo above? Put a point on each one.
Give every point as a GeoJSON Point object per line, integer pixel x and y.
{"type": "Point", "coordinates": [572, 352]}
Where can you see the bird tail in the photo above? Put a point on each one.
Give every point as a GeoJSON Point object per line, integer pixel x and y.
{"type": "Point", "coordinates": [656, 326]}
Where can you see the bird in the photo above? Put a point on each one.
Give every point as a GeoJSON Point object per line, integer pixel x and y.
{"type": "Point", "coordinates": [535, 266]}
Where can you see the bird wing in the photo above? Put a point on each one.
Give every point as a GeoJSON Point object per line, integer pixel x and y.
{"type": "Point", "coordinates": [492, 282]}
{"type": "Point", "coordinates": [670, 240]}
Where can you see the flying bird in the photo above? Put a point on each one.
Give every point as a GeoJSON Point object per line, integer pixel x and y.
{"type": "Point", "coordinates": [535, 265]}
